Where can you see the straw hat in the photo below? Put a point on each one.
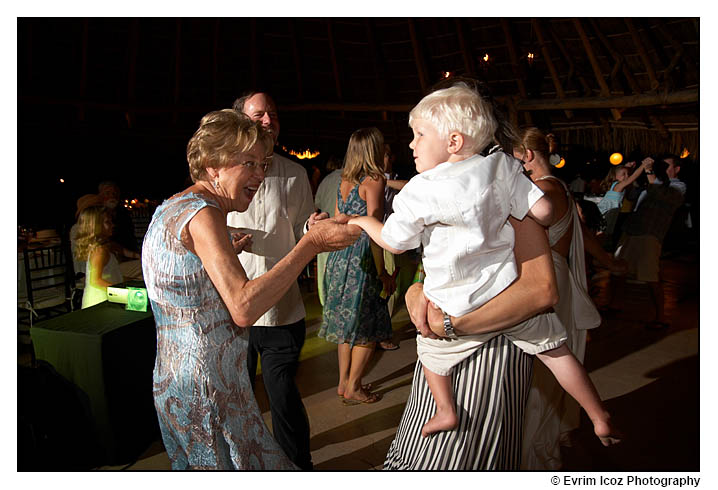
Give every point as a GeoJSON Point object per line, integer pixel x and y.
{"type": "Point", "coordinates": [87, 201]}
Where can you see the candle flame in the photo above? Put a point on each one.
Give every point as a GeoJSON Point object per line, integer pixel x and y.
{"type": "Point", "coordinates": [486, 57]}
{"type": "Point", "coordinates": [685, 153]}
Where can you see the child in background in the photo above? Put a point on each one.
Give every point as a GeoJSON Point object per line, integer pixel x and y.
{"type": "Point", "coordinates": [457, 208]}
{"type": "Point", "coordinates": [94, 229]}
{"type": "Point", "coordinates": [614, 185]}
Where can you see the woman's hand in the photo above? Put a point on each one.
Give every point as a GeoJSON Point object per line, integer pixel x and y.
{"type": "Point", "coordinates": [418, 307]}
{"type": "Point", "coordinates": [332, 234]}
{"type": "Point", "coordinates": [241, 242]}
{"type": "Point", "coordinates": [647, 163]}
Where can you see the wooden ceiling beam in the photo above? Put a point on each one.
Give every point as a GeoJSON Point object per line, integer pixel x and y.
{"type": "Point", "coordinates": [627, 101]}
{"type": "Point", "coordinates": [465, 49]}
{"type": "Point", "coordinates": [572, 68]}
{"type": "Point", "coordinates": [515, 65]}
{"type": "Point", "coordinates": [380, 80]}
{"type": "Point", "coordinates": [549, 64]}
{"type": "Point", "coordinates": [605, 91]}
{"type": "Point", "coordinates": [419, 58]}
{"type": "Point", "coordinates": [576, 103]}
{"type": "Point", "coordinates": [297, 58]}
{"type": "Point", "coordinates": [333, 55]}
{"type": "Point", "coordinates": [642, 53]}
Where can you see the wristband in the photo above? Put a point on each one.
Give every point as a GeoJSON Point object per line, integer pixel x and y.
{"type": "Point", "coordinates": [649, 172]}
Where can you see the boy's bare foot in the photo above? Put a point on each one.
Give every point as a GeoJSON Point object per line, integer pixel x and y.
{"type": "Point", "coordinates": [445, 419]}
{"type": "Point", "coordinates": [607, 433]}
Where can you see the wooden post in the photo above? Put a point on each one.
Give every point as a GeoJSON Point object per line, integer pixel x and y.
{"type": "Point", "coordinates": [418, 58]}
{"type": "Point", "coordinates": [297, 59]}
{"type": "Point", "coordinates": [549, 64]}
{"type": "Point", "coordinates": [605, 91]}
{"type": "Point", "coordinates": [333, 55]}
{"type": "Point", "coordinates": [515, 65]}
{"type": "Point", "coordinates": [465, 50]}
{"type": "Point", "coordinates": [380, 79]}
{"type": "Point", "coordinates": [642, 53]}
{"type": "Point", "coordinates": [572, 66]}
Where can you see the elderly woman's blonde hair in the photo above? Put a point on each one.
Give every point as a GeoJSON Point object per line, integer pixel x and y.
{"type": "Point", "coordinates": [458, 108]}
{"type": "Point", "coordinates": [365, 155]}
{"type": "Point", "coordinates": [221, 136]}
{"type": "Point", "coordinates": [90, 225]}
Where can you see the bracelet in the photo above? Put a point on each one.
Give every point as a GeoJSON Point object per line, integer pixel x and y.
{"type": "Point", "coordinates": [649, 172]}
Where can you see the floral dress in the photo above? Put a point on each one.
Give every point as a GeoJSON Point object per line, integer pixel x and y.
{"type": "Point", "coordinates": [354, 313]}
{"type": "Point", "coordinates": [207, 412]}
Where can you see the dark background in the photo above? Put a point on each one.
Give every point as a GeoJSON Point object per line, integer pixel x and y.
{"type": "Point", "coordinates": [118, 98]}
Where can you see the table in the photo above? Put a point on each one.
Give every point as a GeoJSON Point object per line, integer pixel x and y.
{"type": "Point", "coordinates": [108, 353]}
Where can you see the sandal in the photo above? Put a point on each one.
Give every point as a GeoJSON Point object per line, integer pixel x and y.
{"type": "Point", "coordinates": [371, 398]}
{"type": "Point", "coordinates": [366, 387]}
{"type": "Point", "coordinates": [387, 345]}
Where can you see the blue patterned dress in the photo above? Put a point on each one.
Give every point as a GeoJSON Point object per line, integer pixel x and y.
{"type": "Point", "coordinates": [207, 412]}
{"type": "Point", "coordinates": [354, 313]}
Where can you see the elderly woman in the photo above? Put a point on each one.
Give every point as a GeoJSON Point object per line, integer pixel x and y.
{"type": "Point", "coordinates": [203, 302]}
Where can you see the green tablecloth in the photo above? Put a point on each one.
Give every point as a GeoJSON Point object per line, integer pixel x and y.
{"type": "Point", "coordinates": [107, 352]}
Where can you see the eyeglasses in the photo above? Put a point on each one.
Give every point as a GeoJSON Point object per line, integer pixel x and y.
{"type": "Point", "coordinates": [251, 164]}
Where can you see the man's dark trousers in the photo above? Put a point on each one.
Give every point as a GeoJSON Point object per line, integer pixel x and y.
{"type": "Point", "coordinates": [279, 349]}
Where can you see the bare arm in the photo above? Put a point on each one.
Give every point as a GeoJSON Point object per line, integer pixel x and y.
{"type": "Point", "coordinates": [374, 197]}
{"type": "Point", "coordinates": [248, 299]}
{"type": "Point", "coordinates": [533, 292]}
{"type": "Point", "coordinates": [373, 228]}
{"type": "Point", "coordinates": [542, 212]}
{"type": "Point", "coordinates": [98, 260]}
{"type": "Point", "coordinates": [636, 173]}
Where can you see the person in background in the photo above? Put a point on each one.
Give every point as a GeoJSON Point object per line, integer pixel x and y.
{"type": "Point", "coordinates": [550, 413]}
{"type": "Point", "coordinates": [325, 201]}
{"type": "Point", "coordinates": [204, 303]}
{"type": "Point", "coordinates": [276, 219]}
{"type": "Point", "coordinates": [93, 244]}
{"type": "Point", "coordinates": [84, 202]}
{"type": "Point", "coordinates": [391, 189]}
{"type": "Point", "coordinates": [124, 231]}
{"type": "Point", "coordinates": [645, 230]}
{"type": "Point", "coordinates": [355, 316]}
{"type": "Point", "coordinates": [578, 187]}
{"type": "Point", "coordinates": [614, 185]}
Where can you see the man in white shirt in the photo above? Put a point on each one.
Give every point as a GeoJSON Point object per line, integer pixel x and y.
{"type": "Point", "coordinates": [276, 219]}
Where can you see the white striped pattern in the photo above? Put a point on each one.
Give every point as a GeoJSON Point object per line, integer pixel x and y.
{"type": "Point", "coordinates": [491, 388]}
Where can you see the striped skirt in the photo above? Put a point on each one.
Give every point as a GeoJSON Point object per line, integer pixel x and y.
{"type": "Point", "coordinates": [490, 388]}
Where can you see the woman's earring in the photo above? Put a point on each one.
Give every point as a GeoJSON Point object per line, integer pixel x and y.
{"type": "Point", "coordinates": [215, 184]}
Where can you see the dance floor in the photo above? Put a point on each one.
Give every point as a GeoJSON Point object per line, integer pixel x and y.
{"type": "Point", "coordinates": [649, 379]}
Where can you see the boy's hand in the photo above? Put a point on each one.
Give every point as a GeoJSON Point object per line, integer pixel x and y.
{"type": "Point", "coordinates": [314, 217]}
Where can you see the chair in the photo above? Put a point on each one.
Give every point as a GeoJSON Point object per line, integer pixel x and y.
{"type": "Point", "coordinates": [49, 281]}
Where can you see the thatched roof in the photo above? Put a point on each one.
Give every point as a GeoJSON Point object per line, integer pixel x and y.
{"type": "Point", "coordinates": [605, 83]}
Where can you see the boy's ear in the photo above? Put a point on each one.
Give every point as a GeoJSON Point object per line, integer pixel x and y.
{"type": "Point", "coordinates": [455, 143]}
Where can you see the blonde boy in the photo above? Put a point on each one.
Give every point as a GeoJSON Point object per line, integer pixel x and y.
{"type": "Point", "coordinates": [457, 208]}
